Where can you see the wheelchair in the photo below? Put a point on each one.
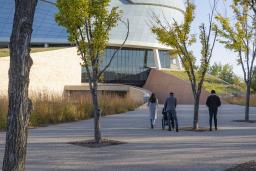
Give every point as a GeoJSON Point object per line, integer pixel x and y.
{"type": "Point", "coordinates": [166, 121]}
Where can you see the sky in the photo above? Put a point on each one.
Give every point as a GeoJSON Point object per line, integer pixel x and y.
{"type": "Point", "coordinates": [220, 53]}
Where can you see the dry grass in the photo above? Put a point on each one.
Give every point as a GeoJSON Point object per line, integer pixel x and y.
{"type": "Point", "coordinates": [5, 51]}
{"type": "Point", "coordinates": [240, 100]}
{"type": "Point", "coordinates": [3, 112]}
{"type": "Point", "coordinates": [51, 109]}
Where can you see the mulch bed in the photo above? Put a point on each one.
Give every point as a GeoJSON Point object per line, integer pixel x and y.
{"type": "Point", "coordinates": [250, 121]}
{"type": "Point", "coordinates": [191, 129]}
{"type": "Point", "coordinates": [248, 166]}
{"type": "Point", "coordinates": [93, 144]}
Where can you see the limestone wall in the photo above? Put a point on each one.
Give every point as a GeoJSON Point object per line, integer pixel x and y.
{"type": "Point", "coordinates": [51, 70]}
{"type": "Point", "coordinates": [136, 93]}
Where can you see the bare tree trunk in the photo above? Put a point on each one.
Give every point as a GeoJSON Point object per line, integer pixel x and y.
{"type": "Point", "coordinates": [247, 104]}
{"type": "Point", "coordinates": [20, 105]}
{"type": "Point", "coordinates": [196, 112]}
{"type": "Point", "coordinates": [97, 113]}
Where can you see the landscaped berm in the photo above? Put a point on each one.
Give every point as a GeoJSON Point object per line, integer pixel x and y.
{"type": "Point", "coordinates": [50, 148]}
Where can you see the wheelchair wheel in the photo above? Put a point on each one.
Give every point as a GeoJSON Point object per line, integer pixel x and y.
{"type": "Point", "coordinates": [169, 124]}
{"type": "Point", "coordinates": [163, 124]}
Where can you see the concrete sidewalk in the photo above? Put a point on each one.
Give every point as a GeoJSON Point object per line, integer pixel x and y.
{"type": "Point", "coordinates": [149, 150]}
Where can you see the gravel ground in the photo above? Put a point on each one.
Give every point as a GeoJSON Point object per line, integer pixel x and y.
{"type": "Point", "coordinates": [146, 149]}
{"type": "Point", "coordinates": [248, 166]}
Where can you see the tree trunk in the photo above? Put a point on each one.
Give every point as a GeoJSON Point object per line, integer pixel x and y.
{"type": "Point", "coordinates": [20, 105]}
{"type": "Point", "coordinates": [97, 113]}
{"type": "Point", "coordinates": [247, 104]}
{"type": "Point", "coordinates": [196, 112]}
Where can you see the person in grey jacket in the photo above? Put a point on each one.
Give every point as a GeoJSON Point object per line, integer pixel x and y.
{"type": "Point", "coordinates": [170, 108]}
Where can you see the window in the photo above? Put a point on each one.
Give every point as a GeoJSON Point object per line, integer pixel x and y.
{"type": "Point", "coordinates": [129, 66]}
{"type": "Point", "coordinates": [165, 58]}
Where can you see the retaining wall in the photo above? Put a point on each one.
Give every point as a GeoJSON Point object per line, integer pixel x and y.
{"type": "Point", "coordinates": [162, 83]}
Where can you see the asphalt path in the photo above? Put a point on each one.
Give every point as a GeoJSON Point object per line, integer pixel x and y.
{"type": "Point", "coordinates": [146, 149]}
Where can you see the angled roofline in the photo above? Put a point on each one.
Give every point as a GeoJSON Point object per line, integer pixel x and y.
{"type": "Point", "coordinates": [49, 2]}
{"type": "Point", "coordinates": [153, 4]}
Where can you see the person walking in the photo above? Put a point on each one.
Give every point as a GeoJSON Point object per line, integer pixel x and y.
{"type": "Point", "coordinates": [153, 104]}
{"type": "Point", "coordinates": [213, 102]}
{"type": "Point", "coordinates": [170, 107]}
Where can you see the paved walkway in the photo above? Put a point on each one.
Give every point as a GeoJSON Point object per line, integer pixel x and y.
{"type": "Point", "coordinates": [149, 150]}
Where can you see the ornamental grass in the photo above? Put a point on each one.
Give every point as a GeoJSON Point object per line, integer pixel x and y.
{"type": "Point", "coordinates": [53, 109]}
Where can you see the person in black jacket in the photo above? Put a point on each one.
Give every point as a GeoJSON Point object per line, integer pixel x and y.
{"type": "Point", "coordinates": [213, 102]}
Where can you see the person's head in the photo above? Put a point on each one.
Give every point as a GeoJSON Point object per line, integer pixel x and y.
{"type": "Point", "coordinates": [213, 92]}
{"type": "Point", "coordinates": [152, 97]}
{"type": "Point", "coordinates": [171, 93]}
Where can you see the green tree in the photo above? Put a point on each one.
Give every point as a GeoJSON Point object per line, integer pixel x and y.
{"type": "Point", "coordinates": [89, 23]}
{"type": "Point", "coordinates": [238, 81]}
{"type": "Point", "coordinates": [20, 106]}
{"type": "Point", "coordinates": [215, 69]}
{"type": "Point", "coordinates": [240, 37]}
{"type": "Point", "coordinates": [224, 72]}
{"type": "Point", "coordinates": [178, 37]}
{"type": "Point", "coordinates": [251, 3]}
{"type": "Point", "coordinates": [227, 73]}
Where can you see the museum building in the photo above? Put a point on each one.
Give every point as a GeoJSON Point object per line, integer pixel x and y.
{"type": "Point", "coordinates": [142, 50]}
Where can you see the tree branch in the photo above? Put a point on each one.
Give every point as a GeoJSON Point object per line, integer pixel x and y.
{"type": "Point", "coordinates": [242, 63]}
{"type": "Point", "coordinates": [122, 45]}
{"type": "Point", "coordinates": [252, 62]}
{"type": "Point", "coordinates": [85, 61]}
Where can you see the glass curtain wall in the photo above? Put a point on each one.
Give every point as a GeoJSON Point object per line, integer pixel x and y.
{"type": "Point", "coordinates": [45, 29]}
{"type": "Point", "coordinates": [165, 59]}
{"type": "Point", "coordinates": [129, 66]}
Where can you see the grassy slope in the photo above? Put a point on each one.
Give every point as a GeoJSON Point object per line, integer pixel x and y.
{"type": "Point", "coordinates": [211, 82]}
{"type": "Point", "coordinates": [5, 51]}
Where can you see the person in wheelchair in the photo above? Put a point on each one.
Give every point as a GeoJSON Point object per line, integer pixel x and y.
{"type": "Point", "coordinates": [170, 110]}
{"type": "Point", "coordinates": [165, 120]}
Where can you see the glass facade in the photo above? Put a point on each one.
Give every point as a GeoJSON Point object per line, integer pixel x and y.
{"type": "Point", "coordinates": [129, 66]}
{"type": "Point", "coordinates": [45, 29]}
{"type": "Point", "coordinates": [164, 58]}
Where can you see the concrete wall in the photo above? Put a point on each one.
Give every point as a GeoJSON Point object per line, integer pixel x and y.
{"type": "Point", "coordinates": [161, 84]}
{"type": "Point", "coordinates": [137, 94]}
{"type": "Point", "coordinates": [51, 70]}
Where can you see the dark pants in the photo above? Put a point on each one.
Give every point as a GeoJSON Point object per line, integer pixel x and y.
{"type": "Point", "coordinates": [172, 119]}
{"type": "Point", "coordinates": [213, 114]}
